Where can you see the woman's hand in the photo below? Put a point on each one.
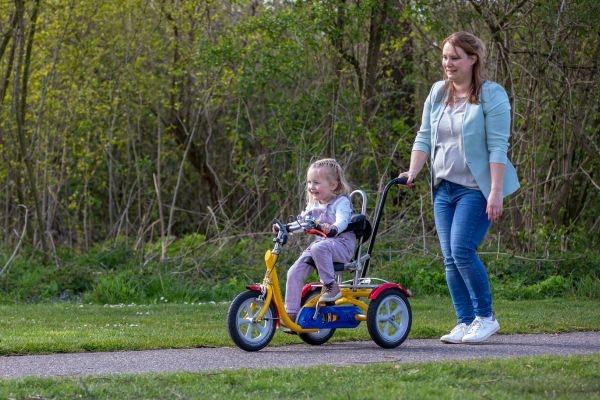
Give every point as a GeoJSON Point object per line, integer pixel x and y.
{"type": "Point", "coordinates": [410, 177]}
{"type": "Point", "coordinates": [494, 205]}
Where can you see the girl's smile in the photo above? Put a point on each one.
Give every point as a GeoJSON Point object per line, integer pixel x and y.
{"type": "Point", "coordinates": [319, 187]}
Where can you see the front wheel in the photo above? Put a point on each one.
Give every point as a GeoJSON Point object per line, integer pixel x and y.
{"type": "Point", "coordinates": [245, 332]}
{"type": "Point", "coordinates": [389, 318]}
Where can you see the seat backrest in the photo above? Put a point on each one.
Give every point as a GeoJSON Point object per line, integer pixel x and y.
{"type": "Point", "coordinates": [360, 225]}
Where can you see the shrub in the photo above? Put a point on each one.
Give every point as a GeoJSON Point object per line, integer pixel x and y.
{"type": "Point", "coordinates": [200, 270]}
{"type": "Point", "coordinates": [121, 287]}
{"type": "Point", "coordinates": [553, 286]}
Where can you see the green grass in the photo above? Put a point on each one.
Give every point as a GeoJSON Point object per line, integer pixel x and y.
{"type": "Point", "coordinates": [71, 327]}
{"type": "Point", "coordinates": [67, 327]}
{"type": "Point", "coordinates": [548, 377]}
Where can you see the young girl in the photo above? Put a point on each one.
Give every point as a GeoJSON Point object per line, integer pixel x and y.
{"type": "Point", "coordinates": [328, 202]}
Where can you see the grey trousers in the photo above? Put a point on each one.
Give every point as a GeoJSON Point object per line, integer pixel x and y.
{"type": "Point", "coordinates": [324, 253]}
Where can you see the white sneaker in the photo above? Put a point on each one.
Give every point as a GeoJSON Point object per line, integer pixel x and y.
{"type": "Point", "coordinates": [456, 334]}
{"type": "Point", "coordinates": [481, 329]}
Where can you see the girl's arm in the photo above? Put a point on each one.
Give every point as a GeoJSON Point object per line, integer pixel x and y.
{"type": "Point", "coordinates": [343, 214]}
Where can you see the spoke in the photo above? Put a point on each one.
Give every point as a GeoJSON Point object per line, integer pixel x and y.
{"type": "Point", "coordinates": [261, 329]}
{"type": "Point", "coordinates": [243, 321]}
{"type": "Point", "coordinates": [386, 330]}
{"type": "Point", "coordinates": [248, 334]}
{"type": "Point", "coordinates": [249, 310]}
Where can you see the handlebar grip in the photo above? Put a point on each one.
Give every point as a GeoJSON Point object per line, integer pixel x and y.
{"type": "Point", "coordinates": [315, 231]}
{"type": "Point", "coordinates": [401, 180]}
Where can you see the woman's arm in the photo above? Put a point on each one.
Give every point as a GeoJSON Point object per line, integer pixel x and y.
{"type": "Point", "coordinates": [422, 145]}
{"type": "Point", "coordinates": [497, 127]}
{"type": "Point", "coordinates": [494, 204]}
{"type": "Point", "coordinates": [417, 161]}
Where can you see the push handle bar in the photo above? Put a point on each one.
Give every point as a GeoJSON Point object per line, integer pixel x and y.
{"type": "Point", "coordinates": [400, 180]}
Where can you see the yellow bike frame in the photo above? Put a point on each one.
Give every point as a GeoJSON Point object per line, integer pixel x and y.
{"type": "Point", "coordinates": [272, 294]}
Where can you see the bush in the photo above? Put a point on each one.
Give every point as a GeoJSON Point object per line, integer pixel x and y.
{"type": "Point", "coordinates": [122, 287]}
{"type": "Point", "coordinates": [553, 286]}
{"type": "Point", "coordinates": [198, 270]}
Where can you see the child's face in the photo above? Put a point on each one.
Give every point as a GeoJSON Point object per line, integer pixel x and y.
{"type": "Point", "coordinates": [319, 185]}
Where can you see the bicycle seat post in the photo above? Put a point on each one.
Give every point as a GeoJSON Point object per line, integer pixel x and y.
{"type": "Point", "coordinates": [358, 252]}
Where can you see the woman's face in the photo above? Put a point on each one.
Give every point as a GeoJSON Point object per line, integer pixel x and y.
{"type": "Point", "coordinates": [458, 66]}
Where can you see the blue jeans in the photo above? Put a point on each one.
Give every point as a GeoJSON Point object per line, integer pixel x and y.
{"type": "Point", "coordinates": [462, 223]}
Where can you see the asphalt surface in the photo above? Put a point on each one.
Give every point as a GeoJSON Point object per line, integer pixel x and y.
{"type": "Point", "coordinates": [347, 353]}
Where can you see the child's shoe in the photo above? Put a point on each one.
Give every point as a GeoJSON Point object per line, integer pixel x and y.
{"type": "Point", "coordinates": [285, 329]}
{"type": "Point", "coordinates": [331, 292]}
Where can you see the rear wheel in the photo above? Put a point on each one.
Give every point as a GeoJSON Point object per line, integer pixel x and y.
{"type": "Point", "coordinates": [322, 335]}
{"type": "Point", "coordinates": [245, 332]}
{"type": "Point", "coordinates": [389, 318]}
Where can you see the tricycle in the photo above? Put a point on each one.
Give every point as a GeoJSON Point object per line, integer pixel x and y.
{"type": "Point", "coordinates": [255, 314]}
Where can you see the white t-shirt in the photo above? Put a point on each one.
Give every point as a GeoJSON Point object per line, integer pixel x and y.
{"type": "Point", "coordinates": [449, 161]}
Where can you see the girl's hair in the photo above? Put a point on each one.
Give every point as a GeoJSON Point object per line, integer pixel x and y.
{"type": "Point", "coordinates": [473, 46]}
{"type": "Point", "coordinates": [334, 173]}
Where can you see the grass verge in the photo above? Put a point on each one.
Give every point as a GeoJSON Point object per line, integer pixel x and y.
{"type": "Point", "coordinates": [520, 378]}
{"type": "Point", "coordinates": [71, 327]}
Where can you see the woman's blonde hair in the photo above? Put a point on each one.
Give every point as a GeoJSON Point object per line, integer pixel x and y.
{"type": "Point", "coordinates": [473, 46]}
{"type": "Point", "coordinates": [334, 173]}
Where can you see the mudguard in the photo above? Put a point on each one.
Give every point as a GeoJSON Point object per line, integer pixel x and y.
{"type": "Point", "coordinates": [255, 286]}
{"type": "Point", "coordinates": [377, 291]}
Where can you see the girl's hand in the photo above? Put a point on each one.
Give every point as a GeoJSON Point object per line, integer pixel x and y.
{"type": "Point", "coordinates": [328, 229]}
{"type": "Point", "coordinates": [494, 205]}
{"type": "Point", "coordinates": [325, 228]}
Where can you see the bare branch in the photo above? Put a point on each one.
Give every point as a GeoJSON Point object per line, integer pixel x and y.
{"type": "Point", "coordinates": [18, 246]}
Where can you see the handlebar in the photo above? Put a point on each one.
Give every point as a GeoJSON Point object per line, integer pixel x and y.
{"type": "Point", "coordinates": [310, 226]}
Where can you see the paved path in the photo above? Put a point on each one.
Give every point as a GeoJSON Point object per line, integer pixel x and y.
{"type": "Point", "coordinates": [348, 353]}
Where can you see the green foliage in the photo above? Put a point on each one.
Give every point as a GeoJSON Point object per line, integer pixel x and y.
{"type": "Point", "coordinates": [553, 286]}
{"type": "Point", "coordinates": [118, 87]}
{"type": "Point", "coordinates": [120, 287]}
{"type": "Point", "coordinates": [200, 270]}
{"type": "Point", "coordinates": [421, 275]}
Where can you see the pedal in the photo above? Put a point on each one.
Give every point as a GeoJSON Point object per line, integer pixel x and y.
{"type": "Point", "coordinates": [316, 314]}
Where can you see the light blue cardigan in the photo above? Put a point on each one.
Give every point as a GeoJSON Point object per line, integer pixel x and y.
{"type": "Point", "coordinates": [486, 129]}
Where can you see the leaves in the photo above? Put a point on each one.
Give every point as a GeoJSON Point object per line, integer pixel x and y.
{"type": "Point", "coordinates": [254, 91]}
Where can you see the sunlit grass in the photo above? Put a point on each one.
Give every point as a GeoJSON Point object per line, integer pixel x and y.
{"type": "Point", "coordinates": [70, 327]}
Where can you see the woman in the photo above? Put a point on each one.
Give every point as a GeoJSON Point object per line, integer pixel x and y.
{"type": "Point", "coordinates": [465, 130]}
